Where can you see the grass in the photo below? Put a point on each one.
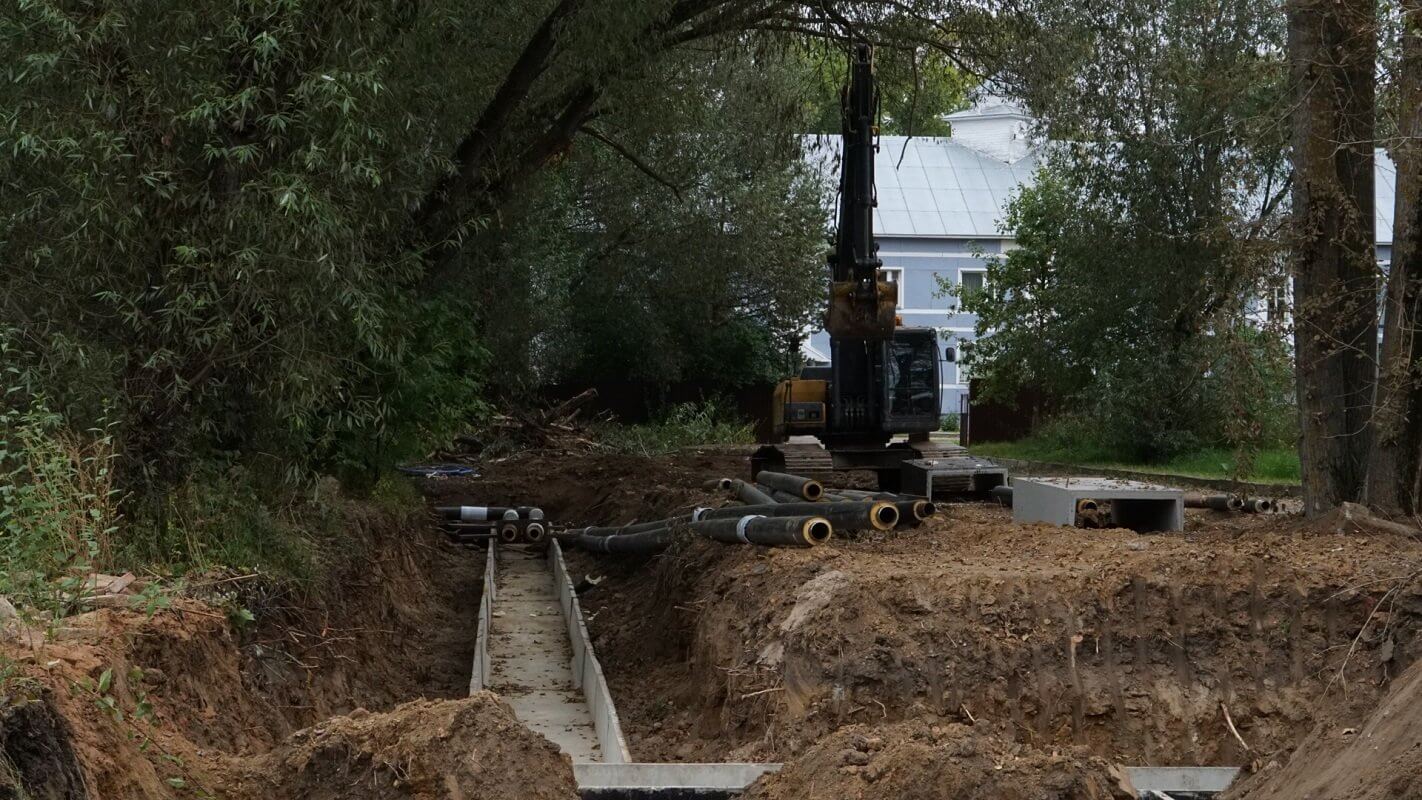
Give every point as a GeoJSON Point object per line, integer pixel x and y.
{"type": "Point", "coordinates": [1274, 465]}
{"type": "Point", "coordinates": [685, 425]}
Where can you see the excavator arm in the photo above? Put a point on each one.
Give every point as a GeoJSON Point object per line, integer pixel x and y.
{"type": "Point", "coordinates": [861, 305]}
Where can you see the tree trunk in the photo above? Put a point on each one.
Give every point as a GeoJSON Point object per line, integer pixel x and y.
{"type": "Point", "coordinates": [1396, 467]}
{"type": "Point", "coordinates": [1332, 52]}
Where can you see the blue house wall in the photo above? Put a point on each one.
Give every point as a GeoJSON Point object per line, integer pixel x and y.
{"type": "Point", "coordinates": [923, 304]}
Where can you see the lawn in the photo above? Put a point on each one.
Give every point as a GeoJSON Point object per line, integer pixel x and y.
{"type": "Point", "coordinates": [1275, 465]}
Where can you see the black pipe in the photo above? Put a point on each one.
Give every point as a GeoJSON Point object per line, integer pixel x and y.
{"type": "Point", "coordinates": [1002, 494]}
{"type": "Point", "coordinates": [779, 496]}
{"type": "Point", "coordinates": [803, 488]}
{"type": "Point", "coordinates": [913, 512]}
{"type": "Point", "coordinates": [844, 516]}
{"type": "Point", "coordinates": [1217, 502]}
{"type": "Point", "coordinates": [646, 542]}
{"type": "Point", "coordinates": [804, 531]}
{"type": "Point", "coordinates": [487, 513]}
{"type": "Point", "coordinates": [750, 494]}
{"type": "Point", "coordinates": [767, 531]}
{"type": "Point", "coordinates": [1258, 505]}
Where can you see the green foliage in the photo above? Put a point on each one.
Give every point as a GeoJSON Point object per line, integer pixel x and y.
{"type": "Point", "coordinates": [58, 506]}
{"type": "Point", "coordinates": [917, 88]}
{"type": "Point", "coordinates": [1149, 234]}
{"type": "Point", "coordinates": [703, 260]}
{"type": "Point", "coordinates": [952, 422]}
{"type": "Point", "coordinates": [684, 425]}
{"type": "Point", "coordinates": [1059, 443]}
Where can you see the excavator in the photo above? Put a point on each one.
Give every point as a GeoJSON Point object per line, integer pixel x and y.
{"type": "Point", "coordinates": [883, 379]}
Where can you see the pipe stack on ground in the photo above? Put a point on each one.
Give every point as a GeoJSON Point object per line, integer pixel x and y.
{"type": "Point", "coordinates": [783, 490]}
{"type": "Point", "coordinates": [487, 513]}
{"type": "Point", "coordinates": [511, 524]}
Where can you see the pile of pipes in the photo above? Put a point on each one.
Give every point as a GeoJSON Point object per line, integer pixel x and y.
{"type": "Point", "coordinates": [851, 509]}
{"type": "Point", "coordinates": [478, 524]}
{"type": "Point", "coordinates": [1217, 502]}
{"type": "Point", "coordinates": [780, 510]}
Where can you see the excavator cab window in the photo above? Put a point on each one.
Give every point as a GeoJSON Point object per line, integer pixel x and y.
{"type": "Point", "coordinates": [911, 375]}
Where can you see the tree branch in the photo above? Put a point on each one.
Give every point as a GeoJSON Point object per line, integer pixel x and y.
{"type": "Point", "coordinates": [632, 158]}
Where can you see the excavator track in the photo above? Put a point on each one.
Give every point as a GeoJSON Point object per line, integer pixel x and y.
{"type": "Point", "coordinates": [796, 459]}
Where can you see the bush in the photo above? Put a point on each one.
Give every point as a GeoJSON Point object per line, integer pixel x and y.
{"type": "Point", "coordinates": [951, 422]}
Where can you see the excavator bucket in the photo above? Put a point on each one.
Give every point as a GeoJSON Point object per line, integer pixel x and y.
{"type": "Point", "coordinates": [851, 316]}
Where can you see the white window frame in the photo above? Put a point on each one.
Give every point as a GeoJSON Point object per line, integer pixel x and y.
{"type": "Point", "coordinates": [979, 270]}
{"type": "Point", "coordinates": [897, 281]}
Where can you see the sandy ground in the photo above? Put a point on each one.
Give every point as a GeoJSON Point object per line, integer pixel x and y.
{"type": "Point", "coordinates": [969, 657]}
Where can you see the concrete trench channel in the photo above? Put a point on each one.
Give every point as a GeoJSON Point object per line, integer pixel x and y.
{"type": "Point", "coordinates": [533, 649]}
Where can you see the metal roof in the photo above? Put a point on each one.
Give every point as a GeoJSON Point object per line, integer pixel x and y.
{"type": "Point", "coordinates": [942, 189]}
{"type": "Point", "coordinates": [939, 189]}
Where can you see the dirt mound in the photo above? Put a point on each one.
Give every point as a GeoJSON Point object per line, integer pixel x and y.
{"type": "Point", "coordinates": [458, 749]}
{"type": "Point", "coordinates": [594, 488]}
{"type": "Point", "coordinates": [949, 762]}
{"type": "Point", "coordinates": [1135, 647]}
{"type": "Point", "coordinates": [156, 704]}
{"type": "Point", "coordinates": [1358, 756]}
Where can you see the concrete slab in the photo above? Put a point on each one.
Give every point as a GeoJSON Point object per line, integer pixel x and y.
{"type": "Point", "coordinates": [727, 777]}
{"type": "Point", "coordinates": [1182, 780]}
{"type": "Point", "coordinates": [531, 659]}
{"type": "Point", "coordinates": [1139, 506]}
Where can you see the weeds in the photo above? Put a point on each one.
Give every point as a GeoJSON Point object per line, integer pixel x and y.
{"type": "Point", "coordinates": [685, 425]}
{"type": "Point", "coordinates": [59, 509]}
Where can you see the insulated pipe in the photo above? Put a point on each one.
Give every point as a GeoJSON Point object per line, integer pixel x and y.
{"type": "Point", "coordinates": [1087, 505]}
{"type": "Point", "coordinates": [1217, 502]}
{"type": "Point", "coordinates": [912, 512]}
{"type": "Point", "coordinates": [508, 534]}
{"type": "Point", "coordinates": [535, 533]}
{"type": "Point", "coordinates": [487, 513]}
{"type": "Point", "coordinates": [804, 488]}
{"type": "Point", "coordinates": [750, 494]}
{"type": "Point", "coordinates": [646, 542]}
{"type": "Point", "coordinates": [861, 494]}
{"type": "Point", "coordinates": [769, 531]}
{"type": "Point", "coordinates": [1002, 494]}
{"type": "Point", "coordinates": [837, 497]}
{"type": "Point", "coordinates": [782, 497]}
{"type": "Point", "coordinates": [1258, 505]}
{"type": "Point", "coordinates": [881, 516]}
{"type": "Point", "coordinates": [720, 484]}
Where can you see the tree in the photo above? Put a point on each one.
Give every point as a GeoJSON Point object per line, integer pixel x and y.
{"type": "Point", "coordinates": [1395, 469]}
{"type": "Point", "coordinates": [1152, 225]}
{"type": "Point", "coordinates": [1332, 52]}
{"type": "Point", "coordinates": [243, 231]}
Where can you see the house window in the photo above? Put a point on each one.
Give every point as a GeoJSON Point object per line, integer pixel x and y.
{"type": "Point", "coordinates": [894, 275]}
{"type": "Point", "coordinates": [971, 282]}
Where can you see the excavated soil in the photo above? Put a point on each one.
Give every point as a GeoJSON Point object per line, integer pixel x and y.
{"type": "Point", "coordinates": [914, 761]}
{"type": "Point", "coordinates": [1353, 754]}
{"type": "Point", "coordinates": [1223, 645]}
{"type": "Point", "coordinates": [190, 702]}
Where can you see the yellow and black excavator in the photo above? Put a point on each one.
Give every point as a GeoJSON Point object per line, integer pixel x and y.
{"type": "Point", "coordinates": [883, 379]}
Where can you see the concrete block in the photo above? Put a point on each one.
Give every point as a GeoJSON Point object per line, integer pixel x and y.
{"type": "Point", "coordinates": [1139, 506]}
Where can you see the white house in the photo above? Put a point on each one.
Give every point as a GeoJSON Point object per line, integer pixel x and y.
{"type": "Point", "coordinates": [941, 200]}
